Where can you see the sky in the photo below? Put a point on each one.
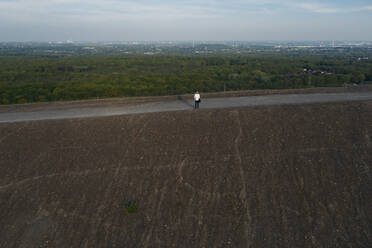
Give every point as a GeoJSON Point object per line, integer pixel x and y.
{"type": "Point", "coordinates": [161, 20]}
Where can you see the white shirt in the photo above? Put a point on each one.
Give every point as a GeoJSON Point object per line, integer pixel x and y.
{"type": "Point", "coordinates": [197, 97]}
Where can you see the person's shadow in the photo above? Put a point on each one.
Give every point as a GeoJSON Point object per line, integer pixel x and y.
{"type": "Point", "coordinates": [180, 98]}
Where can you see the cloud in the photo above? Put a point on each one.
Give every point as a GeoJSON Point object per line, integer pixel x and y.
{"type": "Point", "coordinates": [318, 8]}
{"type": "Point", "coordinates": [100, 12]}
{"type": "Point", "coordinates": [330, 8]}
{"type": "Point", "coordinates": [181, 19]}
{"type": "Point", "coordinates": [29, 10]}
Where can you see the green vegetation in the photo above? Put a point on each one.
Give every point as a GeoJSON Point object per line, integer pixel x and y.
{"type": "Point", "coordinates": [131, 207]}
{"type": "Point", "coordinates": [37, 79]}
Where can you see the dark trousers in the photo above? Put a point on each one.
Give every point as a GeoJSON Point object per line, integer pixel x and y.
{"type": "Point", "coordinates": [197, 104]}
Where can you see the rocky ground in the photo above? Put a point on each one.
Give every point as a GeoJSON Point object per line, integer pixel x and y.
{"type": "Point", "coordinates": [278, 176]}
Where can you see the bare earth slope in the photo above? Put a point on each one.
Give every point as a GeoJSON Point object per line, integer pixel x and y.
{"type": "Point", "coordinates": [285, 176]}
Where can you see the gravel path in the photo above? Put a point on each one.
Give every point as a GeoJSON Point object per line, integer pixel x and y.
{"type": "Point", "coordinates": [182, 104]}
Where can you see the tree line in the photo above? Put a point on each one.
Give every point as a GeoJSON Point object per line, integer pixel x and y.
{"type": "Point", "coordinates": [26, 79]}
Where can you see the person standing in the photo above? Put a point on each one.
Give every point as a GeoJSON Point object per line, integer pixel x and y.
{"type": "Point", "coordinates": [197, 99]}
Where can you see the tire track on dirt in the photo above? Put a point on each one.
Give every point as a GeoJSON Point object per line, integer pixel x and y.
{"type": "Point", "coordinates": [243, 192]}
{"type": "Point", "coordinates": [80, 173]}
{"type": "Point", "coordinates": [178, 170]}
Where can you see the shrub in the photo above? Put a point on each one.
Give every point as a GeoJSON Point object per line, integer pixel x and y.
{"type": "Point", "coordinates": [131, 207]}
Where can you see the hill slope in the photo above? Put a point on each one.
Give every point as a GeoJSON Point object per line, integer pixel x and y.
{"type": "Point", "coordinates": [288, 176]}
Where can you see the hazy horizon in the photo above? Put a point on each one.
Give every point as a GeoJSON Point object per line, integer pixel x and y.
{"type": "Point", "coordinates": [133, 42]}
{"type": "Point", "coordinates": [181, 20]}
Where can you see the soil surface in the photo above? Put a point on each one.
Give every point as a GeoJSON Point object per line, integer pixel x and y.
{"type": "Point", "coordinates": [269, 176]}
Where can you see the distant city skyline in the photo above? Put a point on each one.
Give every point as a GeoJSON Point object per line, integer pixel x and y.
{"type": "Point", "coordinates": [218, 20]}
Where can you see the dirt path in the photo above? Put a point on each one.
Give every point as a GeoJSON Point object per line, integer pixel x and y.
{"type": "Point", "coordinates": [181, 104]}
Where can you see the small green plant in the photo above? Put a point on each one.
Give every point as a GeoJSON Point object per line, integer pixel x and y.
{"type": "Point", "coordinates": [131, 207]}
